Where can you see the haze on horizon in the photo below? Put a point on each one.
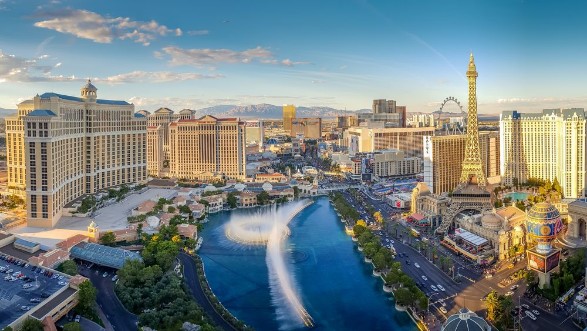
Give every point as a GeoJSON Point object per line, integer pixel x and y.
{"type": "Point", "coordinates": [340, 54]}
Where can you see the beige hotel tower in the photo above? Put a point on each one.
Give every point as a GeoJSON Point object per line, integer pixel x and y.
{"type": "Point", "coordinates": [61, 147]}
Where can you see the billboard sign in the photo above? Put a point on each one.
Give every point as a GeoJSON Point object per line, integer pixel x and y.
{"type": "Point", "coordinates": [552, 260]}
{"type": "Point", "coordinates": [536, 261]}
{"type": "Point", "coordinates": [542, 263]}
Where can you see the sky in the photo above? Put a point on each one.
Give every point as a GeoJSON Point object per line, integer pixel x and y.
{"type": "Point", "coordinates": [193, 54]}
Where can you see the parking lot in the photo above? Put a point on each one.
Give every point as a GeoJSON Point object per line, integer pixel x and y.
{"type": "Point", "coordinates": [23, 287]}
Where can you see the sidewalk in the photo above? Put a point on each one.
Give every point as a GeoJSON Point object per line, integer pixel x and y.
{"type": "Point", "coordinates": [107, 325]}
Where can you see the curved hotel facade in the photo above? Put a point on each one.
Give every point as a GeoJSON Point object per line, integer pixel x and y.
{"type": "Point", "coordinates": [61, 147]}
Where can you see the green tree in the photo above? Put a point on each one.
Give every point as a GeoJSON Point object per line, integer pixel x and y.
{"type": "Point", "coordinates": [378, 217]}
{"type": "Point", "coordinates": [263, 198]}
{"type": "Point", "coordinates": [73, 326]}
{"type": "Point", "coordinates": [31, 324]}
{"type": "Point", "coordinates": [69, 267]}
{"type": "Point", "coordinates": [557, 186]}
{"type": "Point", "coordinates": [379, 260]}
{"type": "Point", "coordinates": [403, 296]}
{"type": "Point", "coordinates": [171, 209]}
{"type": "Point", "coordinates": [108, 238]}
{"type": "Point", "coordinates": [231, 200]}
{"type": "Point", "coordinates": [358, 229]}
{"type": "Point", "coordinates": [86, 297]}
{"type": "Point", "coordinates": [8, 328]}
{"type": "Point", "coordinates": [296, 192]}
{"type": "Point", "coordinates": [185, 209]}
{"type": "Point", "coordinates": [492, 303]}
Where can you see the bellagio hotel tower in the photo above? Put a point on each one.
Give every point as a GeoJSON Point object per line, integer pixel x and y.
{"type": "Point", "coordinates": [61, 147]}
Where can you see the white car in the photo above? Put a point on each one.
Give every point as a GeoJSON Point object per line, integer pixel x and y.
{"type": "Point", "coordinates": [535, 312]}
{"type": "Point", "coordinates": [508, 293]}
{"type": "Point", "coordinates": [424, 277]}
{"type": "Point", "coordinates": [443, 310]}
{"type": "Point", "coordinates": [434, 288]}
{"type": "Point", "coordinates": [525, 306]}
{"type": "Point", "coordinates": [441, 288]}
{"type": "Point", "coordinates": [529, 314]}
{"type": "Point", "coordinates": [416, 265]}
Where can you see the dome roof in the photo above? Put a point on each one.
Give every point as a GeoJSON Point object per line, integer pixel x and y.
{"type": "Point", "coordinates": [267, 187]}
{"type": "Point", "coordinates": [465, 320]}
{"type": "Point", "coordinates": [89, 86]}
{"type": "Point", "coordinates": [491, 221]}
{"type": "Point", "coordinates": [543, 211]}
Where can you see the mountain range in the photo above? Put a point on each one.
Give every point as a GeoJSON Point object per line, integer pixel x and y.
{"type": "Point", "coordinates": [268, 111]}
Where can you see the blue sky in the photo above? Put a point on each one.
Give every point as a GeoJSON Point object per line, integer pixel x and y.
{"type": "Point", "coordinates": [339, 53]}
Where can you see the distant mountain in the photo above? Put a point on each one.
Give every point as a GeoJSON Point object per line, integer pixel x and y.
{"type": "Point", "coordinates": [268, 111]}
{"type": "Point", "coordinates": [7, 112]}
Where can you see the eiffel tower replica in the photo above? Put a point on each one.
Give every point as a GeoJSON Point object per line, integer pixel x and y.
{"type": "Point", "coordinates": [471, 192]}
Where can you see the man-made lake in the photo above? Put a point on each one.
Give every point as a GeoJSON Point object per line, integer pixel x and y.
{"type": "Point", "coordinates": [333, 283]}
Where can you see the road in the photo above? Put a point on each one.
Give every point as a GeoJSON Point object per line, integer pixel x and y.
{"type": "Point", "coordinates": [191, 278]}
{"type": "Point", "coordinates": [120, 318]}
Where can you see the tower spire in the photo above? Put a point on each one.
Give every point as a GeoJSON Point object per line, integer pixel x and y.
{"type": "Point", "coordinates": [472, 169]}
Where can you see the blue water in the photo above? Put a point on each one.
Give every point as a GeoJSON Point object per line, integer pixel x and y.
{"type": "Point", "coordinates": [517, 196]}
{"type": "Point", "coordinates": [335, 285]}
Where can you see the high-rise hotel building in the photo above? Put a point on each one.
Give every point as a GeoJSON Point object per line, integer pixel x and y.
{"type": "Point", "coordinates": [545, 145]}
{"type": "Point", "coordinates": [207, 148]}
{"type": "Point", "coordinates": [444, 155]}
{"type": "Point", "coordinates": [158, 152]}
{"type": "Point", "coordinates": [289, 112]}
{"type": "Point", "coordinates": [61, 147]}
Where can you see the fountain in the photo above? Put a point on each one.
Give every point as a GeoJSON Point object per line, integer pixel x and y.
{"type": "Point", "coordinates": [269, 227]}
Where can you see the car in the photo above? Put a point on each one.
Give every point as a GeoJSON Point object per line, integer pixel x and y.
{"type": "Point", "coordinates": [525, 306]}
{"type": "Point", "coordinates": [416, 265]}
{"type": "Point", "coordinates": [440, 287]}
{"type": "Point", "coordinates": [535, 312]}
{"type": "Point", "coordinates": [25, 308]}
{"type": "Point", "coordinates": [62, 283]}
{"type": "Point", "coordinates": [77, 318]}
{"type": "Point", "coordinates": [424, 277]}
{"type": "Point", "coordinates": [514, 287]}
{"type": "Point", "coordinates": [529, 314]}
{"type": "Point", "coordinates": [434, 288]}
{"type": "Point", "coordinates": [408, 262]}
{"type": "Point", "coordinates": [105, 275]}
{"type": "Point", "coordinates": [509, 293]}
{"type": "Point", "coordinates": [115, 278]}
{"type": "Point", "coordinates": [393, 242]}
{"type": "Point", "coordinates": [442, 310]}
{"type": "Point", "coordinates": [35, 300]}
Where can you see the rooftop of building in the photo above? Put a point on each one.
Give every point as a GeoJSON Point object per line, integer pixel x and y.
{"type": "Point", "coordinates": [41, 112]}
{"type": "Point", "coordinates": [103, 255]}
{"type": "Point", "coordinates": [4, 235]}
{"type": "Point", "coordinates": [68, 243]}
{"type": "Point", "coordinates": [25, 243]}
{"type": "Point", "coordinates": [20, 254]}
{"type": "Point", "coordinates": [48, 95]}
{"type": "Point", "coordinates": [564, 113]}
{"type": "Point", "coordinates": [51, 304]}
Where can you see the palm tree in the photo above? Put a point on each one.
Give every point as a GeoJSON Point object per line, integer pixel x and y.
{"type": "Point", "coordinates": [492, 303]}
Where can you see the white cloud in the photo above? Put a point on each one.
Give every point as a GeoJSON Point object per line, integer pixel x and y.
{"type": "Point", "coordinates": [210, 57]}
{"type": "Point", "coordinates": [155, 77]}
{"type": "Point", "coordinates": [93, 26]}
{"type": "Point", "coordinates": [19, 69]}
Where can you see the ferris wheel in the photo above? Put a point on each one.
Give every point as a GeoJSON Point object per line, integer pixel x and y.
{"type": "Point", "coordinates": [452, 105]}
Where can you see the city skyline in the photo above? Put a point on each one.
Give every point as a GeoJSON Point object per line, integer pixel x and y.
{"type": "Point", "coordinates": [340, 55]}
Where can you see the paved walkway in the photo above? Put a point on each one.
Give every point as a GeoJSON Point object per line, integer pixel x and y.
{"type": "Point", "coordinates": [191, 277]}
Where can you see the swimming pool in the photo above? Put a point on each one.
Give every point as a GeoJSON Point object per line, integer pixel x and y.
{"type": "Point", "coordinates": [517, 196]}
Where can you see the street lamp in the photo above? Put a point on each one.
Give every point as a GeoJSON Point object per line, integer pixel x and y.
{"type": "Point", "coordinates": [429, 301]}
